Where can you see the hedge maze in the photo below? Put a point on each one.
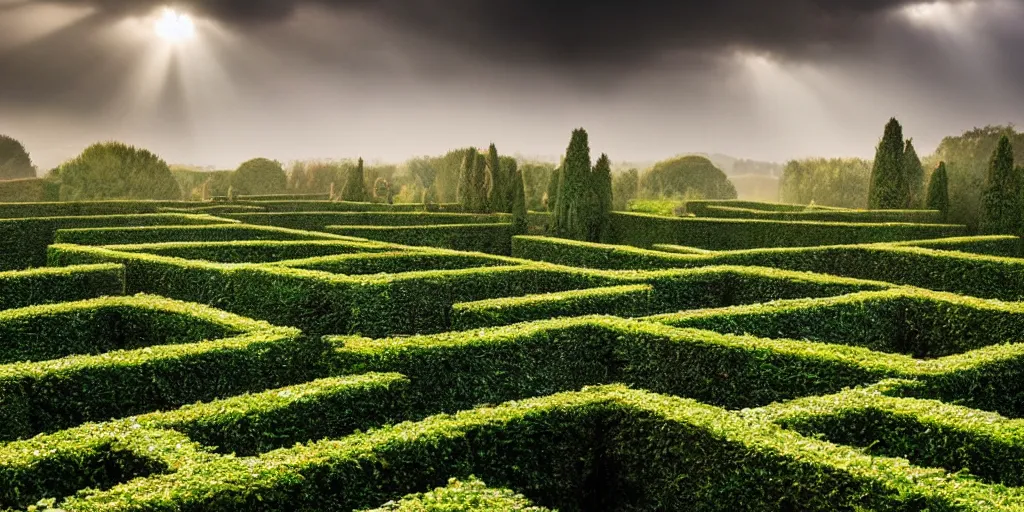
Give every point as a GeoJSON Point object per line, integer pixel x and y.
{"type": "Point", "coordinates": [270, 355]}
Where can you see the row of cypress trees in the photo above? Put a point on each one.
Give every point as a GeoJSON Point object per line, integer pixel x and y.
{"type": "Point", "coordinates": [491, 183]}
{"type": "Point", "coordinates": [897, 176]}
{"type": "Point", "coordinates": [583, 195]}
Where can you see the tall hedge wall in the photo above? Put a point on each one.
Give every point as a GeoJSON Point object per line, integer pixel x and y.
{"type": "Point", "coordinates": [730, 234]}
{"type": "Point", "coordinates": [317, 221]}
{"type": "Point", "coordinates": [494, 238]}
{"type": "Point", "coordinates": [25, 240]}
{"type": "Point", "coordinates": [64, 284]}
{"type": "Point", "coordinates": [873, 216]}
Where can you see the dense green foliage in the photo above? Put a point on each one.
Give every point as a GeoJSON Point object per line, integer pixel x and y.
{"type": "Point", "coordinates": [689, 177]}
{"type": "Point", "coordinates": [48, 285]}
{"type": "Point", "coordinates": [259, 176]}
{"type": "Point", "coordinates": [113, 170]}
{"type": "Point", "coordinates": [499, 197]}
{"type": "Point", "coordinates": [537, 177]}
{"type": "Point", "coordinates": [15, 162]}
{"type": "Point", "coordinates": [967, 157]}
{"type": "Point", "coordinates": [1004, 204]}
{"type": "Point", "coordinates": [29, 190]}
{"type": "Point", "coordinates": [822, 215]}
{"type": "Point", "coordinates": [471, 495]}
{"type": "Point", "coordinates": [625, 188]}
{"type": "Point", "coordinates": [938, 191]}
{"type": "Point", "coordinates": [474, 182]}
{"type": "Point", "coordinates": [495, 238]}
{"type": "Point", "coordinates": [889, 187]}
{"type": "Point", "coordinates": [584, 193]}
{"type": "Point", "coordinates": [913, 171]}
{"type": "Point", "coordinates": [728, 234]}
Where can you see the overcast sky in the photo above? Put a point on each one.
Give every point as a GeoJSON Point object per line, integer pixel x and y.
{"type": "Point", "coordinates": [389, 79]}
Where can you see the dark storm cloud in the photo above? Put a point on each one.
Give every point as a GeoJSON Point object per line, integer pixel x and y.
{"type": "Point", "coordinates": [580, 33]}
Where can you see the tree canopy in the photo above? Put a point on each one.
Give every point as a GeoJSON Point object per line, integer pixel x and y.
{"type": "Point", "coordinates": [259, 176]}
{"type": "Point", "coordinates": [15, 162]}
{"type": "Point", "coordinates": [688, 176]}
{"type": "Point", "coordinates": [112, 170]}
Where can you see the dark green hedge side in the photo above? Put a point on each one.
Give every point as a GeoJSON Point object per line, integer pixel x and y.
{"type": "Point", "coordinates": [327, 408]}
{"type": "Point", "coordinates": [396, 262]}
{"type": "Point", "coordinates": [625, 301]}
{"type": "Point", "coordinates": [53, 395]}
{"type": "Point", "coordinates": [316, 302]}
{"type": "Point", "coordinates": [25, 240]}
{"type": "Point", "coordinates": [991, 245]}
{"type": "Point", "coordinates": [664, 291]}
{"type": "Point", "coordinates": [952, 271]}
{"type": "Point", "coordinates": [83, 208]}
{"type": "Point", "coordinates": [253, 251]}
{"type": "Point", "coordinates": [916, 322]}
{"type": "Point", "coordinates": [495, 238]}
{"type": "Point", "coordinates": [871, 216]}
{"type": "Point", "coordinates": [606, 448]}
{"type": "Point", "coordinates": [421, 302]}
{"type": "Point", "coordinates": [458, 370]}
{"type": "Point", "coordinates": [347, 206]}
{"type": "Point", "coordinates": [318, 221]}
{"type": "Point", "coordinates": [160, 234]}
{"type": "Point", "coordinates": [48, 285]}
{"type": "Point", "coordinates": [731, 234]}
{"type": "Point", "coordinates": [286, 197]}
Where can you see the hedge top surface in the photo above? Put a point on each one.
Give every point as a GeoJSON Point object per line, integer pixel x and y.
{"type": "Point", "coordinates": [236, 480]}
{"type": "Point", "coordinates": [182, 218]}
{"type": "Point", "coordinates": [144, 302]}
{"type": "Point", "coordinates": [765, 224]}
{"type": "Point", "coordinates": [56, 271]}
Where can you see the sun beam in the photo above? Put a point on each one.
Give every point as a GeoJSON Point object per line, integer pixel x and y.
{"type": "Point", "coordinates": [174, 27]}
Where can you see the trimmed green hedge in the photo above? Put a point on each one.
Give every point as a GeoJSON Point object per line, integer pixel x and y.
{"type": "Point", "coordinates": [664, 291]}
{"type": "Point", "coordinates": [926, 432]}
{"type": "Point", "coordinates": [86, 208]}
{"type": "Point", "coordinates": [606, 448]}
{"type": "Point", "coordinates": [103, 455]}
{"type": "Point", "coordinates": [321, 409]}
{"type": "Point", "coordinates": [318, 221]}
{"type": "Point", "coordinates": [458, 370]}
{"type": "Point", "coordinates": [952, 271]}
{"type": "Point", "coordinates": [394, 262]}
{"type": "Point", "coordinates": [471, 495]}
{"type": "Point", "coordinates": [626, 300]}
{"type": "Point", "coordinates": [285, 197]}
{"type": "Point", "coordinates": [48, 285]}
{"type": "Point", "coordinates": [254, 251]}
{"type": "Point", "coordinates": [699, 207]}
{"type": "Point", "coordinates": [51, 395]}
{"type": "Point", "coordinates": [920, 323]}
{"type": "Point", "coordinates": [909, 216]}
{"type": "Point", "coordinates": [730, 234]}
{"type": "Point", "coordinates": [493, 238]}
{"type": "Point", "coordinates": [25, 240]}
{"type": "Point", "coordinates": [348, 206]}
{"type": "Point", "coordinates": [162, 234]}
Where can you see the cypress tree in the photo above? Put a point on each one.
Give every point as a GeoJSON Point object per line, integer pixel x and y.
{"type": "Point", "coordinates": [570, 219]}
{"type": "Point", "coordinates": [355, 185]}
{"type": "Point", "coordinates": [938, 191]}
{"type": "Point", "coordinates": [483, 182]}
{"type": "Point", "coordinates": [468, 188]}
{"type": "Point", "coordinates": [601, 181]}
{"type": "Point", "coordinates": [1003, 209]}
{"type": "Point", "coordinates": [518, 186]}
{"type": "Point", "coordinates": [499, 199]}
{"type": "Point", "coordinates": [914, 173]}
{"type": "Point", "coordinates": [552, 193]}
{"type": "Point", "coordinates": [888, 188]}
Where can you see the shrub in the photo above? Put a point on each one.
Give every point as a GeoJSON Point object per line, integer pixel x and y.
{"type": "Point", "coordinates": [938, 191]}
{"type": "Point", "coordinates": [317, 221]}
{"type": "Point", "coordinates": [253, 251]}
{"type": "Point", "coordinates": [48, 285]}
{"type": "Point", "coordinates": [14, 160]}
{"type": "Point", "coordinates": [684, 177]}
{"type": "Point", "coordinates": [259, 176]}
{"type": "Point", "coordinates": [854, 216]}
{"type": "Point", "coordinates": [468, 496]}
{"type": "Point", "coordinates": [626, 300]}
{"type": "Point", "coordinates": [394, 262]}
{"type": "Point", "coordinates": [113, 170]}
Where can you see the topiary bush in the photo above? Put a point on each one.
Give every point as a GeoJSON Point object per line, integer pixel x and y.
{"type": "Point", "coordinates": [113, 170]}
{"type": "Point", "coordinates": [259, 176]}
{"type": "Point", "coordinates": [687, 176]}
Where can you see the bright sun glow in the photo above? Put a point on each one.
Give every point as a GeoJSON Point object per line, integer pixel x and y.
{"type": "Point", "coordinates": [174, 26]}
